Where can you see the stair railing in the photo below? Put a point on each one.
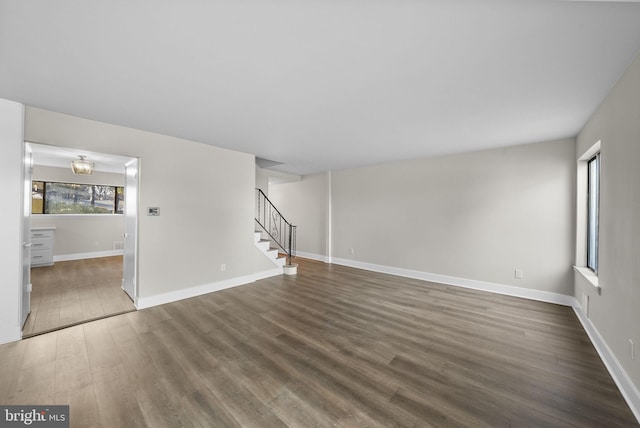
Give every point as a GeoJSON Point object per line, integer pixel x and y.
{"type": "Point", "coordinates": [282, 232]}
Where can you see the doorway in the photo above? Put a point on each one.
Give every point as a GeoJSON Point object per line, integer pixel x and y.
{"type": "Point", "coordinates": [82, 234]}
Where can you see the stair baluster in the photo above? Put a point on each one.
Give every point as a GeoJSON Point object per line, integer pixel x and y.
{"type": "Point", "coordinates": [281, 232]}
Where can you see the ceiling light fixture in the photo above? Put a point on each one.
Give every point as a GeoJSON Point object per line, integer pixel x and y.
{"type": "Point", "coordinates": [82, 166]}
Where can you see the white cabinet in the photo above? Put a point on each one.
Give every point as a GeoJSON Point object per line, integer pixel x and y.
{"type": "Point", "coordinates": [42, 246]}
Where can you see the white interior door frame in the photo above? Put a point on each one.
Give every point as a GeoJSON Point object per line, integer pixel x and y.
{"type": "Point", "coordinates": [130, 241]}
{"type": "Point", "coordinates": [25, 301]}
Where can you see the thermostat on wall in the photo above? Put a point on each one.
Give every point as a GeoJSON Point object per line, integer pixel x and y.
{"type": "Point", "coordinates": [155, 211]}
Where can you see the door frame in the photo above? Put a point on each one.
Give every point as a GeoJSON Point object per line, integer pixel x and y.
{"type": "Point", "coordinates": [25, 292]}
{"type": "Point", "coordinates": [26, 231]}
{"type": "Point", "coordinates": [131, 219]}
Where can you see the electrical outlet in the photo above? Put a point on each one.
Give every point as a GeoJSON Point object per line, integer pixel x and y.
{"type": "Point", "coordinates": [351, 251]}
{"type": "Point", "coordinates": [223, 267]}
{"type": "Point", "coordinates": [632, 352]}
{"type": "Point", "coordinates": [519, 274]}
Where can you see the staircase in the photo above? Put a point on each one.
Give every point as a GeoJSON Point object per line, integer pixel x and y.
{"type": "Point", "coordinates": [275, 235]}
{"type": "Point", "coordinates": [272, 253]}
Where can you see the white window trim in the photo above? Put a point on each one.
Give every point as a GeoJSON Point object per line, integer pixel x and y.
{"type": "Point", "coordinates": [581, 217]}
{"type": "Point", "coordinates": [589, 276]}
{"type": "Point", "coordinates": [76, 215]}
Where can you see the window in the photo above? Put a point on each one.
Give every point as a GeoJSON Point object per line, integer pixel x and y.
{"type": "Point", "coordinates": [71, 198]}
{"type": "Point", "coordinates": [37, 197]}
{"type": "Point", "coordinates": [593, 211]}
{"type": "Point", "coordinates": [119, 200]}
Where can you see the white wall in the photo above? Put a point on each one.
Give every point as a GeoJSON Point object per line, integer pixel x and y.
{"type": "Point", "coordinates": [11, 173]}
{"type": "Point", "coordinates": [262, 180]}
{"type": "Point", "coordinates": [265, 178]}
{"type": "Point", "coordinates": [81, 235]}
{"type": "Point", "coordinates": [616, 313]}
{"type": "Point", "coordinates": [205, 195]}
{"type": "Point", "coordinates": [475, 216]}
{"type": "Point", "coordinates": [304, 203]}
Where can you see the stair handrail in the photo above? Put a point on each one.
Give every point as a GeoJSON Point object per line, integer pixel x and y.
{"type": "Point", "coordinates": [271, 220]}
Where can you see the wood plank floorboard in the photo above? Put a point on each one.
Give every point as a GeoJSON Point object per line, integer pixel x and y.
{"type": "Point", "coordinates": [331, 346]}
{"type": "Point", "coordinates": [76, 291]}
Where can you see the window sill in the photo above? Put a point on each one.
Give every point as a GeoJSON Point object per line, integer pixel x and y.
{"type": "Point", "coordinates": [75, 215]}
{"type": "Point", "coordinates": [591, 277]}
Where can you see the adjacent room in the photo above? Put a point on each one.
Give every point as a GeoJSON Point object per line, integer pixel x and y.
{"type": "Point", "coordinates": [77, 236]}
{"type": "Point", "coordinates": [274, 213]}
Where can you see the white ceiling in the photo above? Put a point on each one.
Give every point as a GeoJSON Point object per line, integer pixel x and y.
{"type": "Point", "coordinates": [61, 157]}
{"type": "Point", "coordinates": [322, 84]}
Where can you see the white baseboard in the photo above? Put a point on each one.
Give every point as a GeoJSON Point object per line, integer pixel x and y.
{"type": "Point", "coordinates": [9, 333]}
{"type": "Point", "coordinates": [82, 256]}
{"type": "Point", "coordinates": [174, 296]}
{"type": "Point", "coordinates": [619, 375]}
{"type": "Point", "coordinates": [312, 256]}
{"type": "Point", "coordinates": [527, 293]}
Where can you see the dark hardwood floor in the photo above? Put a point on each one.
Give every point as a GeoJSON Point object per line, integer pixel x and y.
{"type": "Point", "coordinates": [75, 291]}
{"type": "Point", "coordinates": [332, 346]}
